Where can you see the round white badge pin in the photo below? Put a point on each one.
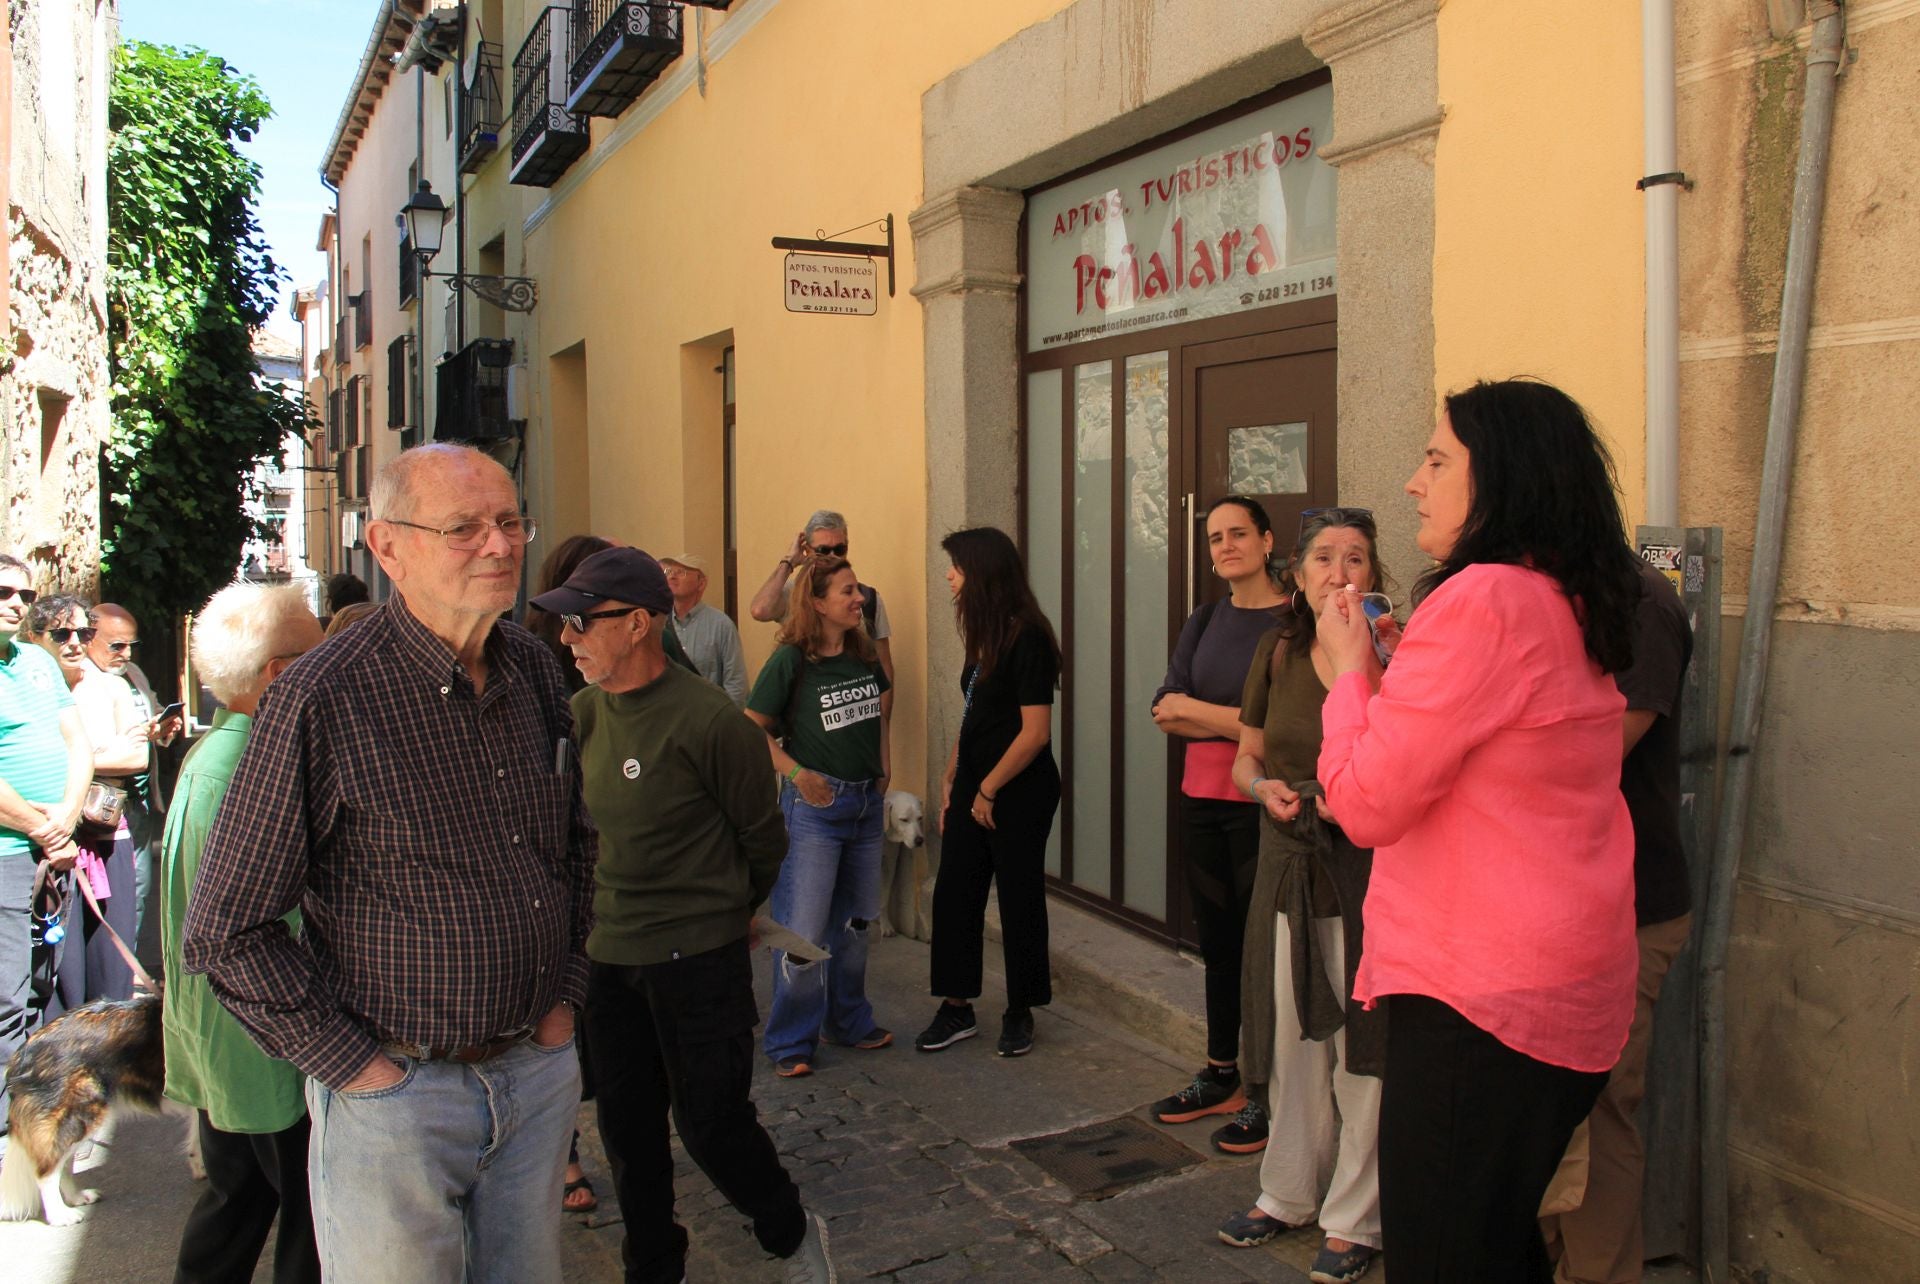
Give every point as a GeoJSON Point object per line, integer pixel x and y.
{"type": "Point", "coordinates": [630, 769]}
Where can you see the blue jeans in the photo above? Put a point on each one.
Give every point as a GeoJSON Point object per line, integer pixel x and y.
{"type": "Point", "coordinates": [453, 1174]}
{"type": "Point", "coordinates": [828, 892]}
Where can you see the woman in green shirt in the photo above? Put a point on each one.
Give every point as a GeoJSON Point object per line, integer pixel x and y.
{"type": "Point", "coordinates": [820, 692]}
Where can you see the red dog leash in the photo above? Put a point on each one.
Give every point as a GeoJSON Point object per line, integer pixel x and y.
{"type": "Point", "coordinates": [141, 978]}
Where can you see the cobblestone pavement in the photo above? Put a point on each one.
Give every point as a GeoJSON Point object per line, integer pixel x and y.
{"type": "Point", "coordinates": [906, 1154]}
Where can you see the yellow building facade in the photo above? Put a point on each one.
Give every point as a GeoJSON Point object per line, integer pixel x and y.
{"type": "Point", "coordinates": [1466, 208]}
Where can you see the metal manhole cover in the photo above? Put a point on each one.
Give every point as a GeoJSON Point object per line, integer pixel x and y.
{"type": "Point", "coordinates": [1102, 1159]}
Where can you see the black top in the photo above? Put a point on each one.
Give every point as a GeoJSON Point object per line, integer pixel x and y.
{"type": "Point", "coordinates": [1650, 775]}
{"type": "Point", "coordinates": [1215, 650]}
{"type": "Point", "coordinates": [1025, 675]}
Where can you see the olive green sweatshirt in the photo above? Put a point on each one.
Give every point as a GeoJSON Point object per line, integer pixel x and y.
{"type": "Point", "coordinates": [691, 837]}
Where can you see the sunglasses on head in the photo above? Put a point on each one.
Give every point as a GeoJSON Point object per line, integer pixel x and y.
{"type": "Point", "coordinates": [829, 550]}
{"type": "Point", "coordinates": [62, 636]}
{"type": "Point", "coordinates": [25, 595]}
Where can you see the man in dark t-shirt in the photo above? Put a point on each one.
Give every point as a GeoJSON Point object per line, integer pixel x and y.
{"type": "Point", "coordinates": [1600, 1241]}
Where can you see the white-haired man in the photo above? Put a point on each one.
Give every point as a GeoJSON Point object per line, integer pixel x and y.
{"type": "Point", "coordinates": [412, 787]}
{"type": "Point", "coordinates": [825, 535]}
{"type": "Point", "coordinates": [253, 1112]}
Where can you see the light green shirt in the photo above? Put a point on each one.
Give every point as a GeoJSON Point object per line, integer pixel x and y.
{"type": "Point", "coordinates": [33, 749]}
{"type": "Point", "coordinates": [213, 1064]}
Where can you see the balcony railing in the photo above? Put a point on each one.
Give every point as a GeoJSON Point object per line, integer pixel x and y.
{"type": "Point", "coordinates": [473, 403]}
{"type": "Point", "coordinates": [620, 47]}
{"type": "Point", "coordinates": [482, 109]}
{"type": "Point", "coordinates": [546, 136]}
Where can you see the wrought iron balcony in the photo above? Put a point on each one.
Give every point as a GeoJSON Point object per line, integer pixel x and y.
{"type": "Point", "coordinates": [482, 109]}
{"type": "Point", "coordinates": [620, 47]}
{"type": "Point", "coordinates": [473, 403]}
{"type": "Point", "coordinates": [546, 136]}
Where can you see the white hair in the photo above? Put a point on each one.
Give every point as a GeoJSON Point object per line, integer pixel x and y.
{"type": "Point", "coordinates": [239, 630]}
{"type": "Point", "coordinates": [391, 497]}
{"type": "Point", "coordinates": [825, 519]}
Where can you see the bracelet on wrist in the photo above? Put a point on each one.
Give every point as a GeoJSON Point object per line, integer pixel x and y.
{"type": "Point", "coordinates": [1253, 790]}
{"type": "Point", "coordinates": [984, 794]}
{"type": "Point", "coordinates": [793, 777]}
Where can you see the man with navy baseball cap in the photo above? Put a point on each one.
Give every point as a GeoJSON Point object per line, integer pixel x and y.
{"type": "Point", "coordinates": [691, 839]}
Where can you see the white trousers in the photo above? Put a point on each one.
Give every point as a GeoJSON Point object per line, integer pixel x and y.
{"type": "Point", "coordinates": [1302, 1156]}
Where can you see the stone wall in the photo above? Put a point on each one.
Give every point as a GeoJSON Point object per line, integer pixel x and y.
{"type": "Point", "coordinates": [53, 375]}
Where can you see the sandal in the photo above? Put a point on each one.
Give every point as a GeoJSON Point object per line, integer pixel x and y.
{"type": "Point", "coordinates": [593, 1200]}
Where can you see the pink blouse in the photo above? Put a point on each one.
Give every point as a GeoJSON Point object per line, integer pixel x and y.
{"type": "Point", "coordinates": [1486, 777]}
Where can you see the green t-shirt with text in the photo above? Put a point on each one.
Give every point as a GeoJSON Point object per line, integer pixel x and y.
{"type": "Point", "coordinates": [829, 710]}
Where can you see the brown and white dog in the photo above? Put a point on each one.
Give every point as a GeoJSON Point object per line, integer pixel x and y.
{"type": "Point", "coordinates": [74, 1072]}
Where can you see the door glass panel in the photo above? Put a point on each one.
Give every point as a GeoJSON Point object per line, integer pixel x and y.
{"type": "Point", "coordinates": [1044, 499]}
{"type": "Point", "coordinates": [1092, 764]}
{"type": "Point", "coordinates": [1149, 526]}
{"type": "Point", "coordinates": [1267, 459]}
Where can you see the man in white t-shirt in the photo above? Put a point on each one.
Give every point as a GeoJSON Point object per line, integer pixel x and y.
{"type": "Point", "coordinates": [117, 634]}
{"type": "Point", "coordinates": [825, 535]}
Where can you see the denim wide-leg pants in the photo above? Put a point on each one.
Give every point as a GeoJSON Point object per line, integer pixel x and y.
{"type": "Point", "coordinates": [828, 892]}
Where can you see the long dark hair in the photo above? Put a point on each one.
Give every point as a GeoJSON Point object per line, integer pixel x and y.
{"type": "Point", "coordinates": [1544, 496]}
{"type": "Point", "coordinates": [803, 628]}
{"type": "Point", "coordinates": [1296, 613]}
{"type": "Point", "coordinates": [996, 603]}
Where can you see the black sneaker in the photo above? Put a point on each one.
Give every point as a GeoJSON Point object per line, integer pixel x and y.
{"type": "Point", "coordinates": [1247, 1134]}
{"type": "Point", "coordinates": [952, 1023]}
{"type": "Point", "coordinates": [1016, 1032]}
{"type": "Point", "coordinates": [1206, 1095]}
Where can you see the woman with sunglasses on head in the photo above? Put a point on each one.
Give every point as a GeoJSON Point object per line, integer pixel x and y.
{"type": "Point", "coordinates": [999, 794]}
{"type": "Point", "coordinates": [1304, 1039]}
{"type": "Point", "coordinates": [1484, 768]}
{"type": "Point", "coordinates": [821, 690]}
{"type": "Point", "coordinates": [90, 965]}
{"type": "Point", "coordinates": [1199, 703]}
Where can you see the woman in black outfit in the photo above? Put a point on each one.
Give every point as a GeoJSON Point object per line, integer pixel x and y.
{"type": "Point", "coordinates": [999, 795]}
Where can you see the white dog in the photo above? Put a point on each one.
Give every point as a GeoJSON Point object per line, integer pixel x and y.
{"type": "Point", "coordinates": [904, 831]}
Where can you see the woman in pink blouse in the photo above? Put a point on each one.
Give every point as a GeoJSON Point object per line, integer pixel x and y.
{"type": "Point", "coordinates": [1484, 769]}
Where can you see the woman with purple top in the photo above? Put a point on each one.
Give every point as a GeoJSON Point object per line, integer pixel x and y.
{"type": "Point", "coordinates": [1199, 702]}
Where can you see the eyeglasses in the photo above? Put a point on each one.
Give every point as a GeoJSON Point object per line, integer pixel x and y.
{"type": "Point", "coordinates": [25, 595]}
{"type": "Point", "coordinates": [830, 550]}
{"type": "Point", "coordinates": [465, 537]}
{"type": "Point", "coordinates": [118, 648]}
{"type": "Point", "coordinates": [1334, 516]}
{"type": "Point", "coordinates": [62, 636]}
{"type": "Point", "coordinates": [578, 623]}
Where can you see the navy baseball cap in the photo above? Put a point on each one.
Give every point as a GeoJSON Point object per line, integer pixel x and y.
{"type": "Point", "coordinates": [611, 575]}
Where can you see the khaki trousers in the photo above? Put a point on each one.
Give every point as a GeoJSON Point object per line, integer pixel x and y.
{"type": "Point", "coordinates": [1599, 1242]}
{"type": "Point", "coordinates": [1302, 1157]}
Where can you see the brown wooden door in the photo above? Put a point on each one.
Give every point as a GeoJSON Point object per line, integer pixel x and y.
{"type": "Point", "coordinates": [1260, 412]}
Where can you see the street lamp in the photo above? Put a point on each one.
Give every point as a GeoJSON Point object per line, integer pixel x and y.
{"type": "Point", "coordinates": [425, 219]}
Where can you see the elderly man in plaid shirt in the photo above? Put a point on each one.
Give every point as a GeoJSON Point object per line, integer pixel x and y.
{"type": "Point", "coordinates": [411, 788]}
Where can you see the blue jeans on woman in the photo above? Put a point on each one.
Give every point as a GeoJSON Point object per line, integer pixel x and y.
{"type": "Point", "coordinates": [828, 892]}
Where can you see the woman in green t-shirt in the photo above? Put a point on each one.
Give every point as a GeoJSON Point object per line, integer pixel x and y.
{"type": "Point", "coordinates": [820, 695]}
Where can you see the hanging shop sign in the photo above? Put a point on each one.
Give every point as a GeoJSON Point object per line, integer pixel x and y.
{"type": "Point", "coordinates": [1234, 217]}
{"type": "Point", "coordinates": [832, 283]}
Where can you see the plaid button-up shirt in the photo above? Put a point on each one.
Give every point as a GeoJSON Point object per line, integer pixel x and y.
{"type": "Point", "coordinates": [433, 838]}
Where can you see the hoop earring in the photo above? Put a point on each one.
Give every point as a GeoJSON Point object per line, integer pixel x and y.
{"type": "Point", "coordinates": [1213, 570]}
{"type": "Point", "coordinates": [1294, 602]}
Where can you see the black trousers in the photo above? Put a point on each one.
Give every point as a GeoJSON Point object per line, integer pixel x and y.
{"type": "Point", "coordinates": [1222, 853]}
{"type": "Point", "coordinates": [1012, 856]}
{"type": "Point", "coordinates": [1470, 1134]}
{"type": "Point", "coordinates": [251, 1178]}
{"type": "Point", "coordinates": [678, 1036]}
{"type": "Point", "coordinates": [91, 966]}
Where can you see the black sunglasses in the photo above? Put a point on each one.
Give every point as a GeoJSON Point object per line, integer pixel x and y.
{"type": "Point", "coordinates": [829, 550]}
{"type": "Point", "coordinates": [25, 595]}
{"type": "Point", "coordinates": [578, 623]}
{"type": "Point", "coordinates": [62, 636]}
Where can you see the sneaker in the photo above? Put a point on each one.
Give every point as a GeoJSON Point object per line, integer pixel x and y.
{"type": "Point", "coordinates": [950, 1024]}
{"type": "Point", "coordinates": [880, 1038]}
{"type": "Point", "coordinates": [1343, 1266]}
{"type": "Point", "coordinates": [1247, 1134]}
{"type": "Point", "coordinates": [1247, 1230]}
{"type": "Point", "coordinates": [1206, 1095]}
{"type": "Point", "coordinates": [810, 1263]}
{"type": "Point", "coordinates": [793, 1067]}
{"type": "Point", "coordinates": [1016, 1032]}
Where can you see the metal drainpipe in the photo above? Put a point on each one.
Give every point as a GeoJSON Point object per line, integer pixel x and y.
{"type": "Point", "coordinates": [1662, 213]}
{"type": "Point", "coordinates": [1789, 376]}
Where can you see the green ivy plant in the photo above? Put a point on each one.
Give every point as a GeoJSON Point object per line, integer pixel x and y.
{"type": "Point", "coordinates": [189, 279]}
